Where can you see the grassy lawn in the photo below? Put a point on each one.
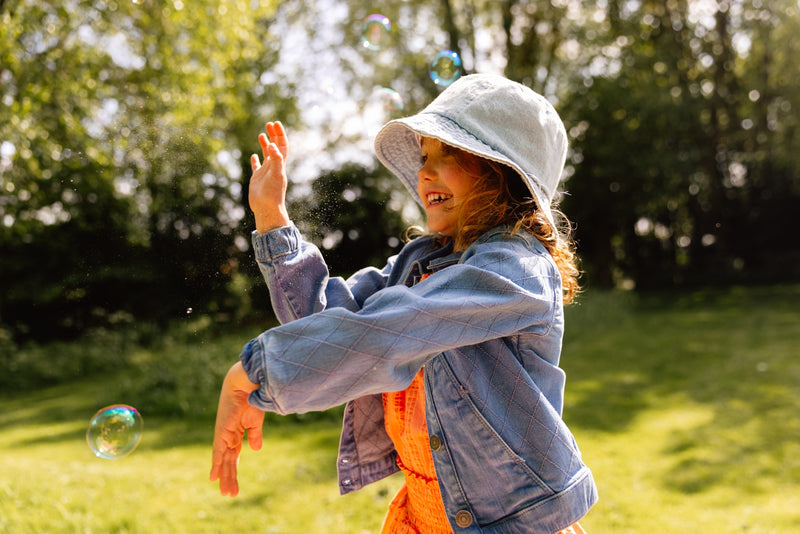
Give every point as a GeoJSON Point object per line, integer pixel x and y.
{"type": "Point", "coordinates": [686, 406]}
{"type": "Point", "coordinates": [51, 482]}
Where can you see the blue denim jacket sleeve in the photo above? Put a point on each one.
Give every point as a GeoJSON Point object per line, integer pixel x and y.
{"type": "Point", "coordinates": [344, 351]}
{"type": "Point", "coordinates": [298, 278]}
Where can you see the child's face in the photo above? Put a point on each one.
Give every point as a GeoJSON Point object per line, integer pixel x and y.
{"type": "Point", "coordinates": [442, 184]}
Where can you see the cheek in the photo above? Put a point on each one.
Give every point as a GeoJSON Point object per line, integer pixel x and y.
{"type": "Point", "coordinates": [461, 184]}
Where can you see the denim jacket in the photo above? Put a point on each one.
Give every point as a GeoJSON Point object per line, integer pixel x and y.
{"type": "Point", "coordinates": [487, 325]}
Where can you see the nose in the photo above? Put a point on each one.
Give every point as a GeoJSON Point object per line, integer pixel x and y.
{"type": "Point", "coordinates": [425, 173]}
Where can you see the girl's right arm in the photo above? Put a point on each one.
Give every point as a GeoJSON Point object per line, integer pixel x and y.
{"type": "Point", "coordinates": [295, 272]}
{"type": "Point", "coordinates": [298, 279]}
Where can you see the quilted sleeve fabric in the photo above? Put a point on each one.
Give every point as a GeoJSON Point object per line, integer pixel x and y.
{"type": "Point", "coordinates": [342, 353]}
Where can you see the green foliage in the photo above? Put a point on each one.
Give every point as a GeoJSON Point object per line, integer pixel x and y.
{"type": "Point", "coordinates": [180, 374]}
{"type": "Point", "coordinates": [169, 371]}
{"type": "Point", "coordinates": [119, 189]}
{"type": "Point", "coordinates": [30, 365]}
{"type": "Point", "coordinates": [53, 484]}
{"type": "Point", "coordinates": [676, 176]}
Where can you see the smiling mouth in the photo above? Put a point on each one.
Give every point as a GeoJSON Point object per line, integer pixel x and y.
{"type": "Point", "coordinates": [437, 198]}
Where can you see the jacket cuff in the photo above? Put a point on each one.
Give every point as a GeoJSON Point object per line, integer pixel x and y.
{"type": "Point", "coordinates": [276, 243]}
{"type": "Point", "coordinates": [252, 358]}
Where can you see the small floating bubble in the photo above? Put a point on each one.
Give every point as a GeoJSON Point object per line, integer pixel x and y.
{"type": "Point", "coordinates": [383, 104]}
{"type": "Point", "coordinates": [445, 68]}
{"type": "Point", "coordinates": [114, 431]}
{"type": "Point", "coordinates": [390, 99]}
{"type": "Point", "coordinates": [375, 32]}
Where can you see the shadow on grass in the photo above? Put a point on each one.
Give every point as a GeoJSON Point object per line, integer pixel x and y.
{"type": "Point", "coordinates": [51, 405]}
{"type": "Point", "coordinates": [732, 351]}
{"type": "Point", "coordinates": [170, 432]}
{"type": "Point", "coordinates": [74, 405]}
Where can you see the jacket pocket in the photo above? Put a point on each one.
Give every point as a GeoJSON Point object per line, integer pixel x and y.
{"type": "Point", "coordinates": [494, 479]}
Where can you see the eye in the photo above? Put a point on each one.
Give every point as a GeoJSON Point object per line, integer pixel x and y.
{"type": "Point", "coordinates": [422, 159]}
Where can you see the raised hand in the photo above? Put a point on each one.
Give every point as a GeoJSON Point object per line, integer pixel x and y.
{"type": "Point", "coordinates": [267, 191]}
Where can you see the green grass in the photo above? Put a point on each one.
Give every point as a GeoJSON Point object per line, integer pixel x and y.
{"type": "Point", "coordinates": [686, 407]}
{"type": "Point", "coordinates": [52, 483]}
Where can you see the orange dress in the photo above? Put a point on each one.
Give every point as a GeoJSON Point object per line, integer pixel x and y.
{"type": "Point", "coordinates": [417, 508]}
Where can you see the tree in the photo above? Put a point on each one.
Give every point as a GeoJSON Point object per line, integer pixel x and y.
{"type": "Point", "coordinates": [125, 130]}
{"type": "Point", "coordinates": [670, 183]}
{"type": "Point", "coordinates": [120, 174]}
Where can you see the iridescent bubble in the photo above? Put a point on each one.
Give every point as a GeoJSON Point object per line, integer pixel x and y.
{"type": "Point", "coordinates": [445, 68]}
{"type": "Point", "coordinates": [114, 431]}
{"type": "Point", "coordinates": [375, 32]}
{"type": "Point", "coordinates": [390, 99]}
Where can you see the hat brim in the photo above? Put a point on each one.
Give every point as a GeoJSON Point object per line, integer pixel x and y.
{"type": "Point", "coordinates": [397, 147]}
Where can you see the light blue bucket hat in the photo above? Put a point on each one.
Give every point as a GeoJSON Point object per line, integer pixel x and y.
{"type": "Point", "coordinates": [489, 116]}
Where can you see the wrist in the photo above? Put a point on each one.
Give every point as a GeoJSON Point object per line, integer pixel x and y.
{"type": "Point", "coordinates": [238, 379]}
{"type": "Point", "coordinates": [266, 221]}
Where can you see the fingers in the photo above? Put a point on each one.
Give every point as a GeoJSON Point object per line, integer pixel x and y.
{"type": "Point", "coordinates": [264, 142]}
{"type": "Point", "coordinates": [274, 145]}
{"type": "Point", "coordinates": [224, 469]}
{"type": "Point", "coordinates": [277, 134]}
{"type": "Point", "coordinates": [224, 464]}
{"type": "Point", "coordinates": [254, 439]}
{"type": "Point", "coordinates": [254, 436]}
{"type": "Point", "coordinates": [272, 151]}
{"type": "Point", "coordinates": [228, 483]}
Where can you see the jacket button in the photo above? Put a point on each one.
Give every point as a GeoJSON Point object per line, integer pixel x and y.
{"type": "Point", "coordinates": [436, 442]}
{"type": "Point", "coordinates": [463, 518]}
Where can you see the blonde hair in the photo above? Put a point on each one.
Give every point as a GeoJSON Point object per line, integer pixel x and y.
{"type": "Point", "coordinates": [501, 198]}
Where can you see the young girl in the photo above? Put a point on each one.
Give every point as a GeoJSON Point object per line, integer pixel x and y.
{"type": "Point", "coordinates": [447, 357]}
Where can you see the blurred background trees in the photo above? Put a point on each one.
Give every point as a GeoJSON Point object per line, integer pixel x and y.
{"type": "Point", "coordinates": [126, 128]}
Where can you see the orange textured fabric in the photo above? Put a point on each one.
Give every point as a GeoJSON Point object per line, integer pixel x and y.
{"type": "Point", "coordinates": [417, 508]}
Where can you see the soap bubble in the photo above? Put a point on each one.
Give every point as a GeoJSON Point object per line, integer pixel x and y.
{"type": "Point", "coordinates": [375, 32]}
{"type": "Point", "coordinates": [383, 104]}
{"type": "Point", "coordinates": [390, 99]}
{"type": "Point", "coordinates": [114, 431]}
{"type": "Point", "coordinates": [445, 68]}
